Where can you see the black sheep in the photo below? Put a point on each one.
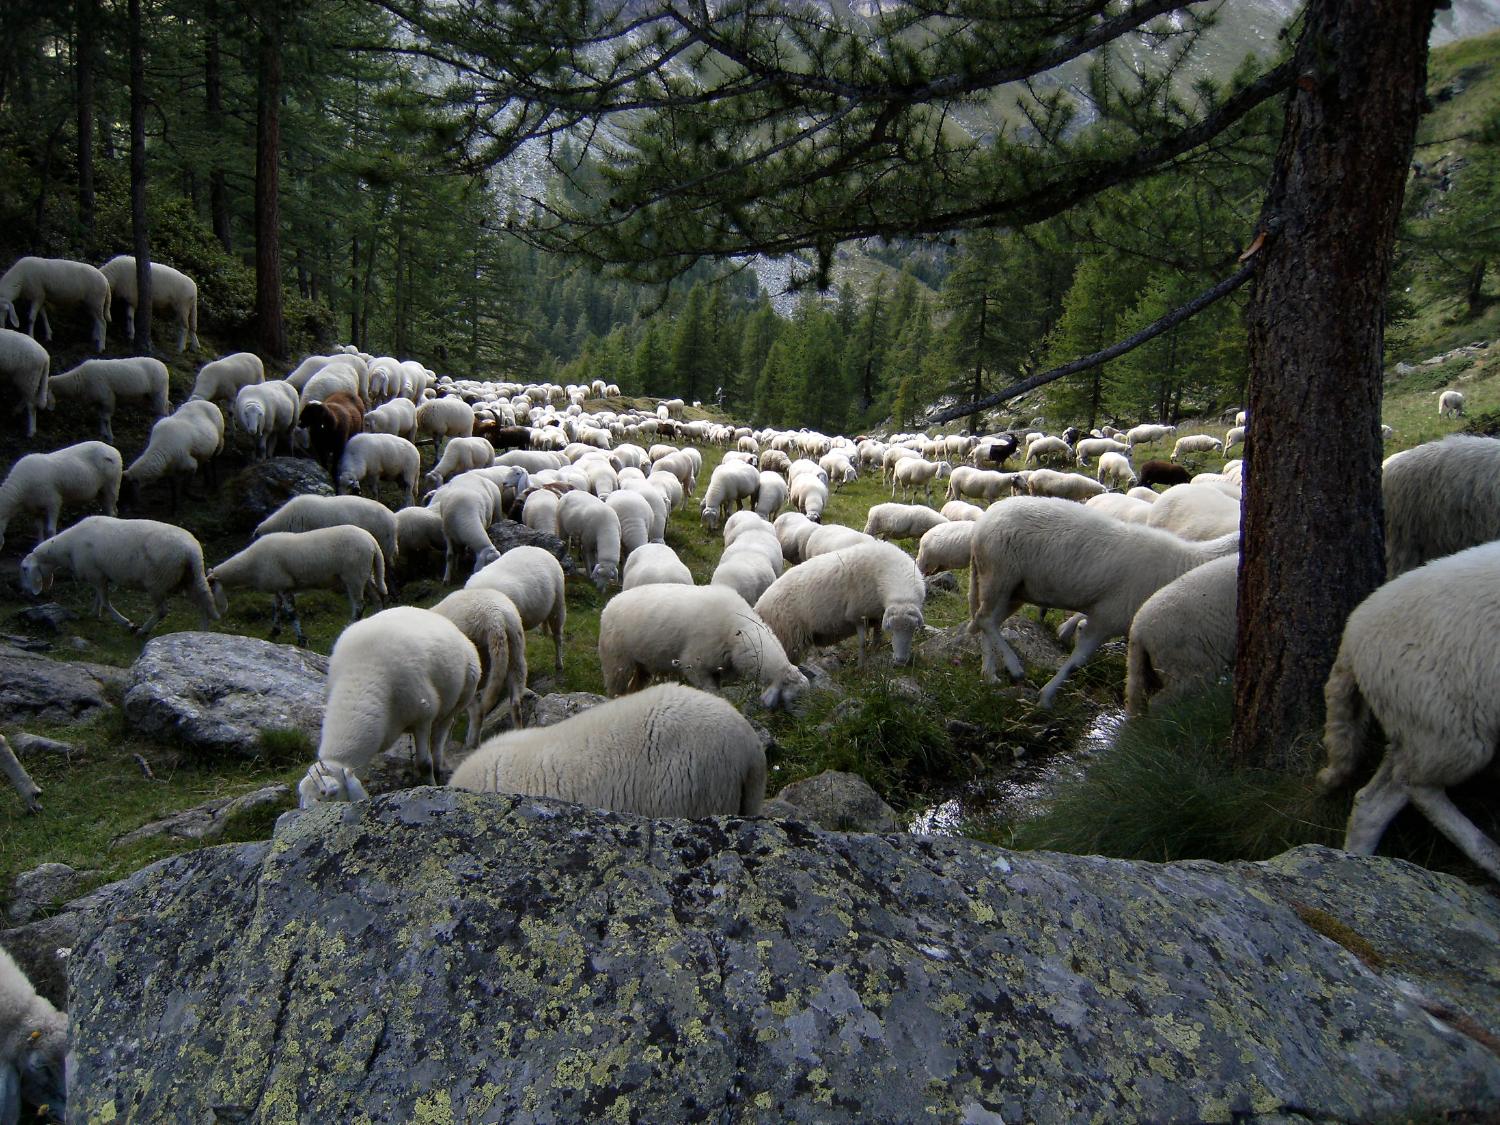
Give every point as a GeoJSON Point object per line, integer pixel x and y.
{"type": "Point", "coordinates": [1163, 472]}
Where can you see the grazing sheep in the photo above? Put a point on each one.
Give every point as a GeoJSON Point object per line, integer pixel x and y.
{"type": "Point", "coordinates": [656, 500]}
{"type": "Point", "coordinates": [533, 580]}
{"type": "Point", "coordinates": [731, 486]}
{"type": "Point", "coordinates": [635, 516]}
{"type": "Point", "coordinates": [670, 750]}
{"type": "Point", "coordinates": [995, 452]}
{"type": "Point", "coordinates": [469, 504]}
{"type": "Point", "coordinates": [1094, 447]}
{"type": "Point", "coordinates": [772, 496]}
{"type": "Point", "coordinates": [792, 530]}
{"type": "Point", "coordinates": [1440, 498]}
{"type": "Point", "coordinates": [959, 511]}
{"type": "Point", "coordinates": [1183, 635]}
{"type": "Point", "coordinates": [983, 484]}
{"type": "Point", "coordinates": [1195, 443]}
{"type": "Point", "coordinates": [172, 291]}
{"type": "Point", "coordinates": [342, 557]}
{"type": "Point", "coordinates": [655, 564]}
{"type": "Point", "coordinates": [180, 444]}
{"type": "Point", "coordinates": [1148, 434]}
{"type": "Point", "coordinates": [460, 455]}
{"type": "Point", "coordinates": [441, 418]}
{"type": "Point", "coordinates": [945, 547]}
{"type": "Point", "coordinates": [371, 458]}
{"type": "Point", "coordinates": [403, 671]}
{"type": "Point", "coordinates": [1143, 494]}
{"type": "Point", "coordinates": [1419, 656]}
{"type": "Point", "coordinates": [901, 521]}
{"type": "Point", "coordinates": [539, 510]}
{"type": "Point", "coordinates": [223, 379]}
{"type": "Point", "coordinates": [491, 621]}
{"type": "Point", "coordinates": [669, 488]}
{"type": "Point", "coordinates": [763, 541]}
{"type": "Point", "coordinates": [1064, 486]}
{"type": "Point", "coordinates": [1163, 472]}
{"type": "Point", "coordinates": [910, 472]}
{"type": "Point", "coordinates": [1234, 437]}
{"type": "Point", "coordinates": [329, 425]}
{"type": "Point", "coordinates": [24, 365]}
{"type": "Point", "coordinates": [33, 1047]}
{"type": "Point", "coordinates": [157, 558]}
{"type": "Point", "coordinates": [58, 282]}
{"type": "Point", "coordinates": [1451, 403]}
{"type": "Point", "coordinates": [1195, 512]}
{"type": "Point", "coordinates": [589, 521]}
{"type": "Point", "coordinates": [707, 635]}
{"type": "Point", "coordinates": [42, 483]}
{"type": "Point", "coordinates": [338, 378]}
{"type": "Point", "coordinates": [398, 416]}
{"type": "Point", "coordinates": [1128, 509]}
{"type": "Point", "coordinates": [419, 534]}
{"type": "Point", "coordinates": [809, 495]}
{"type": "Point", "coordinates": [306, 513]}
{"type": "Point", "coordinates": [103, 382]}
{"type": "Point", "coordinates": [267, 412]}
{"type": "Point", "coordinates": [826, 599]}
{"type": "Point", "coordinates": [828, 537]}
{"type": "Point", "coordinates": [1048, 448]}
{"type": "Point", "coordinates": [1116, 466]}
{"type": "Point", "coordinates": [680, 465]}
{"type": "Point", "coordinates": [744, 569]}
{"type": "Point", "coordinates": [1057, 554]}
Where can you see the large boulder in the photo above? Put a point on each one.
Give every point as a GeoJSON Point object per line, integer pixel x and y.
{"type": "Point", "coordinates": [436, 955]}
{"type": "Point", "coordinates": [35, 689]}
{"type": "Point", "coordinates": [216, 692]}
{"type": "Point", "coordinates": [509, 533]}
{"type": "Point", "coordinates": [260, 489]}
{"type": "Point", "coordinates": [837, 801]}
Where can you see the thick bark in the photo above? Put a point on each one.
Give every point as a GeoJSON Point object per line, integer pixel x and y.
{"type": "Point", "coordinates": [213, 91]}
{"type": "Point", "coordinates": [138, 223]}
{"type": "Point", "coordinates": [88, 16]}
{"type": "Point", "coordinates": [1312, 517]}
{"type": "Point", "coordinates": [978, 387]}
{"type": "Point", "coordinates": [270, 323]}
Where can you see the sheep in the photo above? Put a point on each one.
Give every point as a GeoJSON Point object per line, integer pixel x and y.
{"type": "Point", "coordinates": [460, 455]}
{"type": "Point", "coordinates": [402, 671]}
{"type": "Point", "coordinates": [1127, 509]}
{"type": "Point", "coordinates": [305, 513]}
{"type": "Point", "coordinates": [419, 532]}
{"type": "Point", "coordinates": [839, 469]}
{"type": "Point", "coordinates": [669, 488]}
{"type": "Point", "coordinates": [1064, 486]}
{"type": "Point", "coordinates": [222, 379]}
{"type": "Point", "coordinates": [809, 495]}
{"type": "Point", "coordinates": [635, 516]}
{"type": "Point", "coordinates": [441, 418]}
{"type": "Point", "coordinates": [1093, 447]}
{"type": "Point", "coordinates": [826, 538]}
{"type": "Point", "coordinates": [744, 522]}
{"type": "Point", "coordinates": [590, 521]}
{"type": "Point", "coordinates": [491, 621]}
{"type": "Point", "coordinates": [284, 562]}
{"type": "Point", "coordinates": [338, 377]}
{"type": "Point", "coordinates": [1183, 635]}
{"type": "Point", "coordinates": [901, 521]}
{"type": "Point", "coordinates": [172, 291]}
{"type": "Point", "coordinates": [1147, 434]}
{"type": "Point", "coordinates": [1049, 447]}
{"type": "Point", "coordinates": [959, 511]}
{"type": "Point", "coordinates": [43, 482]}
{"type": "Point", "coordinates": [33, 1046]}
{"type": "Point", "coordinates": [1419, 656]}
{"type": "Point", "coordinates": [910, 472]}
{"type": "Point", "coordinates": [670, 750]}
{"type": "Point", "coordinates": [792, 530]}
{"type": "Point", "coordinates": [680, 465]}
{"type": "Point", "coordinates": [1116, 466]}
{"type": "Point", "coordinates": [744, 569]}
{"type": "Point", "coordinates": [539, 511]}
{"type": "Point", "coordinates": [994, 452]}
{"type": "Point", "coordinates": [731, 485]}
{"type": "Point", "coordinates": [24, 365]}
{"type": "Point", "coordinates": [369, 459]}
{"type": "Point", "coordinates": [1163, 472]}
{"type": "Point", "coordinates": [1236, 436]}
{"type": "Point", "coordinates": [533, 580]}
{"type": "Point", "coordinates": [1195, 512]}
{"type": "Point", "coordinates": [1440, 498]}
{"type": "Point", "coordinates": [1195, 443]}
{"type": "Point", "coordinates": [158, 558]}
{"type": "Point", "coordinates": [707, 635]}
{"type": "Point", "coordinates": [329, 425]}
{"type": "Point", "coordinates": [1057, 554]}
{"type": "Point", "coordinates": [267, 412]}
{"type": "Point", "coordinates": [772, 496]}
{"type": "Point", "coordinates": [398, 416]}
{"type": "Point", "coordinates": [180, 444]}
{"type": "Point", "coordinates": [945, 547]}
{"type": "Point", "coordinates": [831, 597]}
{"type": "Point", "coordinates": [983, 484]}
{"type": "Point", "coordinates": [655, 564]}
{"type": "Point", "coordinates": [1143, 494]}
{"type": "Point", "coordinates": [468, 505]}
{"type": "Point", "coordinates": [55, 281]}
{"type": "Point", "coordinates": [1451, 403]}
{"type": "Point", "coordinates": [103, 382]}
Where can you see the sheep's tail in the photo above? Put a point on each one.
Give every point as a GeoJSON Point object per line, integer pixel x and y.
{"type": "Point", "coordinates": [377, 571]}
{"type": "Point", "coordinates": [1344, 728]}
{"type": "Point", "coordinates": [1140, 677]}
{"type": "Point", "coordinates": [753, 786]}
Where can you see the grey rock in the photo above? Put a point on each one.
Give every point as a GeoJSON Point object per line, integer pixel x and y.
{"type": "Point", "coordinates": [508, 533]}
{"type": "Point", "coordinates": [215, 692]}
{"type": "Point", "coordinates": [42, 947]}
{"type": "Point", "coordinates": [208, 820]}
{"type": "Point", "coordinates": [941, 583]}
{"type": "Point", "coordinates": [36, 689]}
{"type": "Point", "coordinates": [27, 744]}
{"type": "Point", "coordinates": [260, 489]}
{"type": "Point", "coordinates": [49, 615]}
{"type": "Point", "coordinates": [1036, 645]}
{"type": "Point", "coordinates": [34, 892]}
{"type": "Point", "coordinates": [436, 955]}
{"type": "Point", "coordinates": [549, 710]}
{"type": "Point", "coordinates": [839, 802]}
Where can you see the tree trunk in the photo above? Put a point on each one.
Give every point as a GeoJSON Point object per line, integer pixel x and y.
{"type": "Point", "coordinates": [138, 222]}
{"type": "Point", "coordinates": [88, 16]}
{"type": "Point", "coordinates": [213, 90]}
{"type": "Point", "coordinates": [978, 390]}
{"type": "Point", "coordinates": [1474, 292]}
{"type": "Point", "coordinates": [1312, 529]}
{"type": "Point", "coordinates": [270, 324]}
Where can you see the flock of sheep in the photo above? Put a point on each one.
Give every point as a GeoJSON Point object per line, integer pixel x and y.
{"type": "Point", "coordinates": [1126, 560]}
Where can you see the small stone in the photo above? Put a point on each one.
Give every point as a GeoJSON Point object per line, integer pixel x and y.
{"type": "Point", "coordinates": [508, 534]}
{"type": "Point", "coordinates": [27, 743]}
{"type": "Point", "coordinates": [208, 820]}
{"type": "Point", "coordinates": [944, 583]}
{"type": "Point", "coordinates": [548, 710]}
{"type": "Point", "coordinates": [49, 615]}
{"type": "Point", "coordinates": [839, 802]}
{"type": "Point", "coordinates": [35, 892]}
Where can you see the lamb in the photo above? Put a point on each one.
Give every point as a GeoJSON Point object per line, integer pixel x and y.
{"type": "Point", "coordinates": [223, 379]}
{"type": "Point", "coordinates": [945, 547]}
{"type": "Point", "coordinates": [371, 458]}
{"type": "Point", "coordinates": [43, 482]}
{"type": "Point", "coordinates": [732, 484]}
{"type": "Point", "coordinates": [268, 412]}
{"type": "Point", "coordinates": [172, 291]}
{"type": "Point", "coordinates": [1064, 486]}
{"type": "Point", "coordinates": [329, 425]}
{"type": "Point", "coordinates": [913, 471]}
{"type": "Point", "coordinates": [834, 596]}
{"type": "Point", "coordinates": [655, 564]}
{"type": "Point", "coordinates": [398, 416]}
{"type": "Point", "coordinates": [103, 382]}
{"type": "Point", "coordinates": [1057, 554]}
{"type": "Point", "coordinates": [533, 580]}
{"type": "Point", "coordinates": [403, 671]}
{"type": "Point", "coordinates": [1051, 447]}
{"type": "Point", "coordinates": [305, 513]}
{"type": "Point", "coordinates": [284, 562]}
{"type": "Point", "coordinates": [1440, 498]}
{"type": "Point", "coordinates": [468, 505]}
{"type": "Point", "coordinates": [1094, 447]}
{"type": "Point", "coordinates": [707, 635]}
{"type": "Point", "coordinates": [809, 495]}
{"type": "Point", "coordinates": [1451, 403]}
{"type": "Point", "coordinates": [1163, 472]}
{"type": "Point", "coordinates": [1195, 512]}
{"type": "Point", "coordinates": [460, 455]}
{"type": "Point", "coordinates": [180, 444]}
{"type": "Point", "coordinates": [1127, 509]}
{"type": "Point", "coordinates": [667, 751]}
{"type": "Point", "coordinates": [1195, 443]}
{"type": "Point", "coordinates": [1116, 466]}
{"type": "Point", "coordinates": [24, 365]}
{"type": "Point", "coordinates": [744, 569]}
{"type": "Point", "coordinates": [441, 418]}
{"type": "Point", "coordinates": [55, 281]}
{"type": "Point", "coordinates": [1147, 434]}
{"type": "Point", "coordinates": [901, 521]}
{"type": "Point", "coordinates": [590, 522]}
{"type": "Point", "coordinates": [1419, 655]}
{"type": "Point", "coordinates": [635, 516]}
{"type": "Point", "coordinates": [33, 1046]}
{"type": "Point", "coordinates": [491, 621]}
{"type": "Point", "coordinates": [157, 558]}
{"type": "Point", "coordinates": [959, 511]}
{"type": "Point", "coordinates": [1183, 635]}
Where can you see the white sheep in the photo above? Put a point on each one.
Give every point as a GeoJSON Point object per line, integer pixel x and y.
{"type": "Point", "coordinates": [33, 1046]}
{"type": "Point", "coordinates": [945, 547]}
{"type": "Point", "coordinates": [1451, 403]}
{"type": "Point", "coordinates": [1144, 494]}
{"type": "Point", "coordinates": [984, 484]}
{"type": "Point", "coordinates": [539, 511]}
{"type": "Point", "coordinates": [1195, 512]}
{"type": "Point", "coordinates": [707, 635]}
{"type": "Point", "coordinates": [1147, 434]}
{"type": "Point", "coordinates": [744, 569]}
{"type": "Point", "coordinates": [828, 537]}
{"type": "Point", "coordinates": [635, 516]}
{"type": "Point", "coordinates": [419, 533]}
{"type": "Point", "coordinates": [657, 501]}
{"type": "Point", "coordinates": [960, 510]}
{"type": "Point", "coordinates": [669, 487]}
{"type": "Point", "coordinates": [1235, 436]}
{"type": "Point", "coordinates": [730, 486]}
{"type": "Point", "coordinates": [402, 671]}
{"type": "Point", "coordinates": [305, 513]}
{"type": "Point", "coordinates": [1047, 447]}
{"type": "Point", "coordinates": [1183, 635]}
{"type": "Point", "coordinates": [772, 496]}
{"type": "Point", "coordinates": [268, 413]}
{"type": "Point", "coordinates": [1419, 656]}
{"type": "Point", "coordinates": [41, 483]}
{"type": "Point", "coordinates": [901, 521]}
{"type": "Point", "coordinates": [792, 530]}
{"type": "Point", "coordinates": [58, 282]}
{"type": "Point", "coordinates": [1128, 509]}
{"type": "Point", "coordinates": [172, 291]}
{"type": "Point", "coordinates": [448, 417]}
{"type": "Point", "coordinates": [460, 455]}
{"type": "Point", "coordinates": [1057, 554]}
{"type": "Point", "coordinates": [334, 378]}
{"type": "Point", "coordinates": [1063, 486]}
{"type": "Point", "coordinates": [1195, 443]}
{"type": "Point", "coordinates": [826, 599]}
{"type": "Point", "coordinates": [24, 365]}
{"type": "Point", "coordinates": [157, 558]}
{"type": "Point", "coordinates": [809, 495]}
{"type": "Point", "coordinates": [222, 379]}
{"type": "Point", "coordinates": [587, 520]}
{"type": "Point", "coordinates": [469, 504]}
{"type": "Point", "coordinates": [1117, 467]}
{"type": "Point", "coordinates": [101, 383]}
{"type": "Point", "coordinates": [491, 621]}
{"type": "Point", "coordinates": [533, 580]}
{"type": "Point", "coordinates": [670, 750]}
{"type": "Point", "coordinates": [1094, 447]}
{"type": "Point", "coordinates": [911, 472]}
{"type": "Point", "coordinates": [763, 541]}
{"type": "Point", "coordinates": [1440, 498]}
{"type": "Point", "coordinates": [180, 444]}
{"type": "Point", "coordinates": [398, 416]}
{"type": "Point", "coordinates": [369, 459]}
{"type": "Point", "coordinates": [655, 564]}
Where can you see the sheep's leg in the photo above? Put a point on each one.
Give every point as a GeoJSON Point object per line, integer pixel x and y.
{"type": "Point", "coordinates": [1452, 823]}
{"type": "Point", "coordinates": [991, 642]}
{"type": "Point", "coordinates": [151, 622]}
{"type": "Point", "coordinates": [1375, 806]}
{"type": "Point", "coordinates": [291, 610]}
{"type": "Point", "coordinates": [46, 324]}
{"type": "Point", "coordinates": [103, 603]}
{"type": "Point", "coordinates": [10, 1092]}
{"type": "Point", "coordinates": [275, 616]}
{"type": "Point", "coordinates": [1087, 644]}
{"type": "Point", "coordinates": [557, 643]}
{"type": "Point", "coordinates": [356, 600]}
{"type": "Point", "coordinates": [859, 631]}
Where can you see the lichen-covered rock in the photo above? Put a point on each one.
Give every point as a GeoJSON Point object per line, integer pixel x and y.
{"type": "Point", "coordinates": [262, 488]}
{"type": "Point", "coordinates": [837, 801]}
{"type": "Point", "coordinates": [216, 692]}
{"type": "Point", "coordinates": [436, 955]}
{"type": "Point", "coordinates": [208, 820]}
{"type": "Point", "coordinates": [34, 892]}
{"type": "Point", "coordinates": [549, 710]}
{"type": "Point", "coordinates": [36, 689]}
{"type": "Point", "coordinates": [509, 533]}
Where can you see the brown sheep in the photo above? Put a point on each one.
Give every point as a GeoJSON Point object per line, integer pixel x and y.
{"type": "Point", "coordinates": [330, 424]}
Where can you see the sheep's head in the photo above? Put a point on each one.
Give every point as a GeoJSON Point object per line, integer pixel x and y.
{"type": "Point", "coordinates": [785, 688]}
{"type": "Point", "coordinates": [483, 557]}
{"type": "Point", "coordinates": [220, 598]}
{"type": "Point", "coordinates": [711, 518]}
{"type": "Point", "coordinates": [36, 575]}
{"type": "Point", "coordinates": [324, 783]}
{"type": "Point", "coordinates": [902, 622]}
{"type": "Point", "coordinates": [41, 1067]}
{"type": "Point", "coordinates": [603, 574]}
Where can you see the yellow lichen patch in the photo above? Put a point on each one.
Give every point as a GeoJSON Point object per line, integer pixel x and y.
{"type": "Point", "coordinates": [982, 911]}
{"type": "Point", "coordinates": [619, 1109]}
{"type": "Point", "coordinates": [433, 1109]}
{"type": "Point", "coordinates": [106, 1112]}
{"type": "Point", "coordinates": [763, 1100]}
{"type": "Point", "coordinates": [1320, 921]}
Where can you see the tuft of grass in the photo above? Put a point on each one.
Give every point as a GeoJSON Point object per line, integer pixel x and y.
{"type": "Point", "coordinates": [286, 745]}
